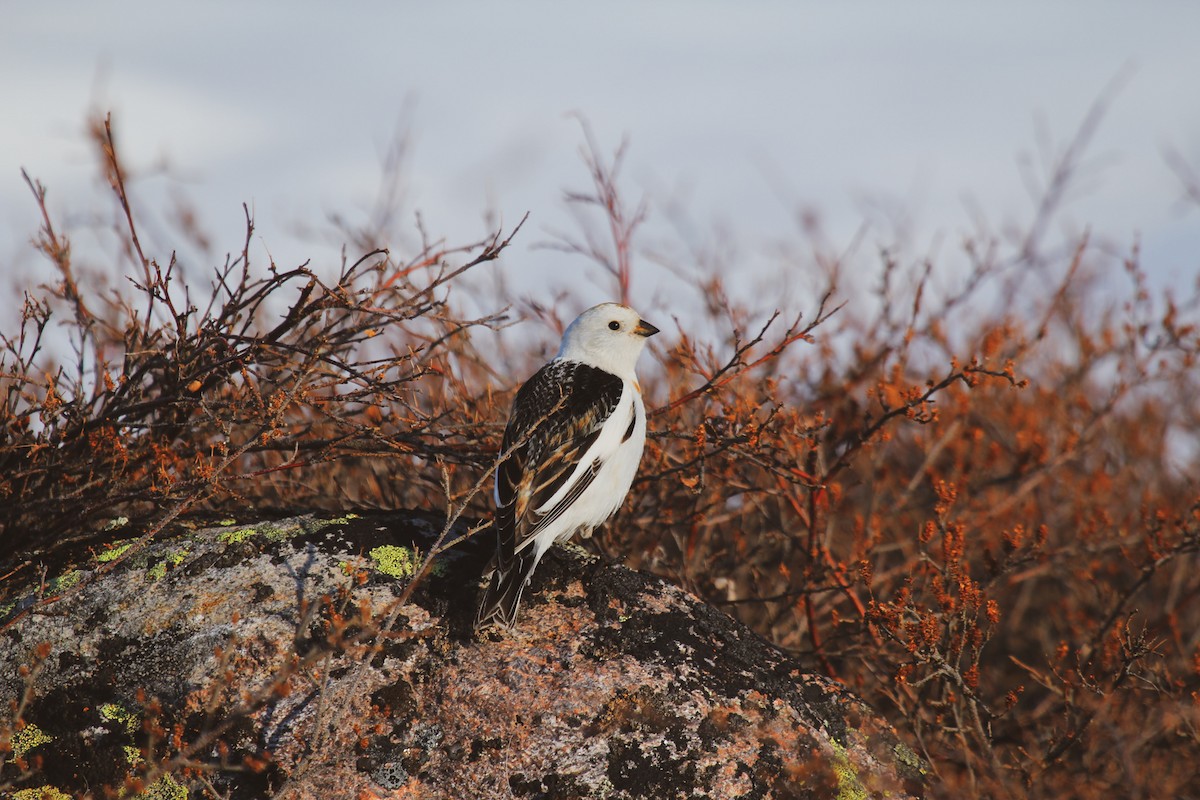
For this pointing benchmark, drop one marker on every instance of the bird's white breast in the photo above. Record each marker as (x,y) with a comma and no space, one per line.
(619,459)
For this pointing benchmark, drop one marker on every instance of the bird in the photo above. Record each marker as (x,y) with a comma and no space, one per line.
(570,451)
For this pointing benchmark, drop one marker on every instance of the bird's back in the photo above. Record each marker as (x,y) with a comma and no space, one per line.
(574,441)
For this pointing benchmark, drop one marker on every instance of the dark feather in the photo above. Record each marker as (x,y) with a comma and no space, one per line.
(502,597)
(557,415)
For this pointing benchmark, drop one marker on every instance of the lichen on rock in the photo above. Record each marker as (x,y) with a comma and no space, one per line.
(265,659)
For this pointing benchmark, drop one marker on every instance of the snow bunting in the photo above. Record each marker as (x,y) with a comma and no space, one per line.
(576,433)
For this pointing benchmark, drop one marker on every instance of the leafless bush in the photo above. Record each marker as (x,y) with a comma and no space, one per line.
(965,509)
(172,402)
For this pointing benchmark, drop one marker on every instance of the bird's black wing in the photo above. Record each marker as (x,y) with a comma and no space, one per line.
(557,415)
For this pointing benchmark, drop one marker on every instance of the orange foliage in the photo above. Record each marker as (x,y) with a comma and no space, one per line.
(973,516)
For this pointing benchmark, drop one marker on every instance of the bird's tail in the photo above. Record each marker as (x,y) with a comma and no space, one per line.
(502,597)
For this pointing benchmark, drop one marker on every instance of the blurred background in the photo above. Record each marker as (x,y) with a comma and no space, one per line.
(863,126)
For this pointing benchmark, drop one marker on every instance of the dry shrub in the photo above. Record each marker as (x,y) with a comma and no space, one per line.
(266,390)
(956,495)
(983,517)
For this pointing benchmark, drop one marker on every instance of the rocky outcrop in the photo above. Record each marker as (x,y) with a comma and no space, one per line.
(277,659)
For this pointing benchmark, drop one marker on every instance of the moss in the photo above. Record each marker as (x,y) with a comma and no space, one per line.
(849,786)
(41,793)
(28,738)
(398,562)
(114,551)
(111,712)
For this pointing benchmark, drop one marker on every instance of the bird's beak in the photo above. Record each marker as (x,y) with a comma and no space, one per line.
(645,328)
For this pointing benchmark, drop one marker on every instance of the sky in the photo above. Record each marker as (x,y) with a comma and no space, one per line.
(742,113)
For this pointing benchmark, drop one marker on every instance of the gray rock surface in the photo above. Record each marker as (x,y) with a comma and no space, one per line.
(277,659)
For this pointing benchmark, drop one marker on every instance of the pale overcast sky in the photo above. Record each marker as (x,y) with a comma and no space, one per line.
(739,110)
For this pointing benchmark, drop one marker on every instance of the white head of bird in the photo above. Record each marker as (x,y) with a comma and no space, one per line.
(609,336)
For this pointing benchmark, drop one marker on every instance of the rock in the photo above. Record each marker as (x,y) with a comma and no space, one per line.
(277,659)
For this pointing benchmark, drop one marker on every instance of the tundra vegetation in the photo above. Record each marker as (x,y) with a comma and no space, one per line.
(965,486)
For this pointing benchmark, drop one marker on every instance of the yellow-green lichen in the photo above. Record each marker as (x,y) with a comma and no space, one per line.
(132,754)
(906,757)
(233,537)
(277,533)
(849,786)
(268,530)
(111,712)
(66,580)
(114,551)
(398,562)
(159,570)
(271,531)
(165,788)
(312,525)
(46,792)
(116,522)
(28,738)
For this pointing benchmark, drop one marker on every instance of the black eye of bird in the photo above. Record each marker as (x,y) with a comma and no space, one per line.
(614,326)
